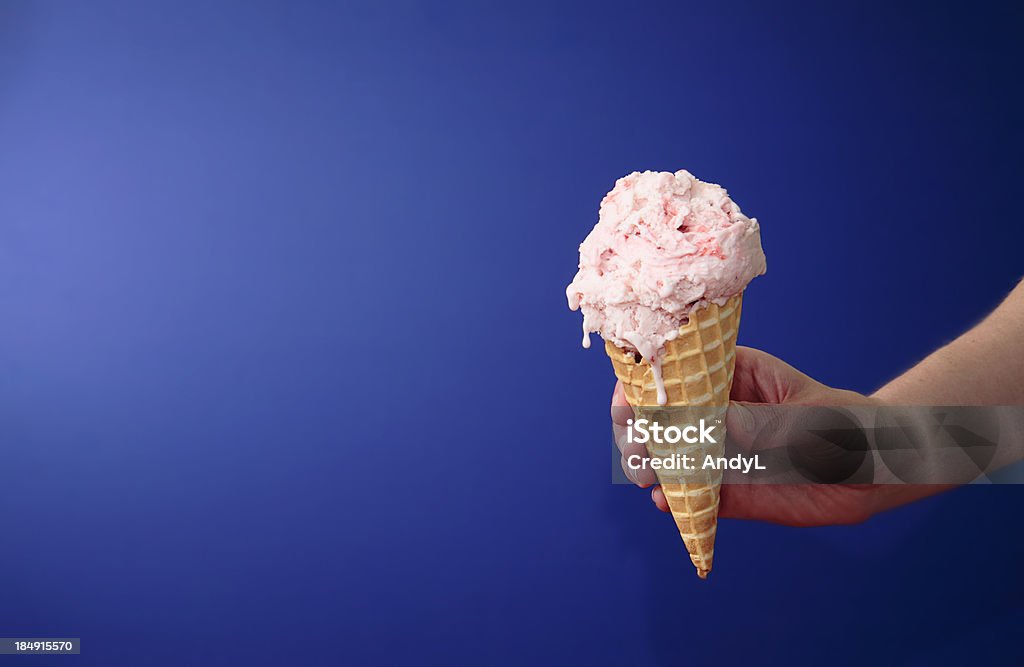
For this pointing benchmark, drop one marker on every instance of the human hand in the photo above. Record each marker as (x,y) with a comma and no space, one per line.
(761,378)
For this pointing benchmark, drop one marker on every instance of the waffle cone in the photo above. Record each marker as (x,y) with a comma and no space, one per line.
(697,369)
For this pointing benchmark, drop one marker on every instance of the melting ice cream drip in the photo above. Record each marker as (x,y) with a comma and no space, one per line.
(658,381)
(653,357)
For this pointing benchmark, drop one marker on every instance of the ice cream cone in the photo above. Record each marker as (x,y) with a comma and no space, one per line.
(697,370)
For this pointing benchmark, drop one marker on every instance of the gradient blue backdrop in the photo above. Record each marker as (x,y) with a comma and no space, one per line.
(286,370)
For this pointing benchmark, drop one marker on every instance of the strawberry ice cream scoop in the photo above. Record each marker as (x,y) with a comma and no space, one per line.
(664,245)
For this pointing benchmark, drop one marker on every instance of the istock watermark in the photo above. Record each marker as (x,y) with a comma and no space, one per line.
(796,444)
(649,432)
(652,431)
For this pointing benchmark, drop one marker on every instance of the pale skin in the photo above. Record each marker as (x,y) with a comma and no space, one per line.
(984,366)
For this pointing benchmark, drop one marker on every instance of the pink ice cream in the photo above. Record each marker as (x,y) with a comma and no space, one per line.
(664,245)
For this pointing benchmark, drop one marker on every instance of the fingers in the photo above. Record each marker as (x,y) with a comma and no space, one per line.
(621,410)
(744,503)
(632,453)
(740,426)
(633,458)
(659,499)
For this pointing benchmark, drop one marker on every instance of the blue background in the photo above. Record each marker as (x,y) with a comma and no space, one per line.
(286,370)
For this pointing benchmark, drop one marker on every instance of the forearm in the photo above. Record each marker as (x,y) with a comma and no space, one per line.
(984,366)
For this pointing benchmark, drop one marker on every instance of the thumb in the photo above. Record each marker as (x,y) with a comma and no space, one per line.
(762,378)
(748,426)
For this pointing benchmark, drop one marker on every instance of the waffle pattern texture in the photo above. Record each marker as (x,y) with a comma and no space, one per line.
(697,369)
